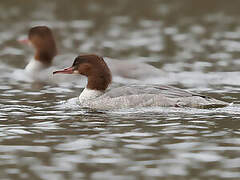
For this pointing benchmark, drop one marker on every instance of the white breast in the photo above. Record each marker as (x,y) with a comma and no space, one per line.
(89,94)
(34,66)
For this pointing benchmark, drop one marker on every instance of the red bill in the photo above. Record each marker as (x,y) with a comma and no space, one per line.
(65,71)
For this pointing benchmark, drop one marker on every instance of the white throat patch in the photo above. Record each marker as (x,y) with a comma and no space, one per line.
(88,94)
(34,66)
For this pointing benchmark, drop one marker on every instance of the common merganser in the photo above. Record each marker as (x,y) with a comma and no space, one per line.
(42,39)
(41,65)
(96,95)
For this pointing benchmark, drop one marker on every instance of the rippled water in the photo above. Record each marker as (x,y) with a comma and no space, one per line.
(195,42)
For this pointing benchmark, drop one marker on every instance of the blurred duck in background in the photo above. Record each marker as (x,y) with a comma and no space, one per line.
(42,40)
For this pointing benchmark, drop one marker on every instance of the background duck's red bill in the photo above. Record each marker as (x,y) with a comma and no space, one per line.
(24,41)
(65,71)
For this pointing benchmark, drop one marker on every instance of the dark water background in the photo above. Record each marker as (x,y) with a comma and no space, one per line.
(198,40)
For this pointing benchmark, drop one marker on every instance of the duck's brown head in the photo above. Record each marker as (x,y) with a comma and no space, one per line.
(92,66)
(42,39)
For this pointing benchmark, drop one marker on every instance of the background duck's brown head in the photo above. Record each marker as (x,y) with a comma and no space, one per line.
(43,41)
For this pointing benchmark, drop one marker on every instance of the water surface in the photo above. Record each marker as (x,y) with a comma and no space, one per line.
(195,42)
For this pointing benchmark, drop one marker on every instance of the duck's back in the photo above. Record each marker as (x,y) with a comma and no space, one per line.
(132,69)
(149,96)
